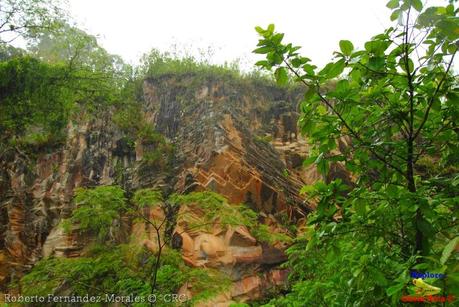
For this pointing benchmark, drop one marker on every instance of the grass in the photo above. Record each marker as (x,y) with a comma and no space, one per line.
(157,64)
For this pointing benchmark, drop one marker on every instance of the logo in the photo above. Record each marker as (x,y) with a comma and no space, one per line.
(425,275)
(429,298)
(423,288)
(425,292)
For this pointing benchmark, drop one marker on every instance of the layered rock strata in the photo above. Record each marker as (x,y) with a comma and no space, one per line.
(232,136)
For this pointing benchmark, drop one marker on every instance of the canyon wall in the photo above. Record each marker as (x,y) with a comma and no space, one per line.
(236,137)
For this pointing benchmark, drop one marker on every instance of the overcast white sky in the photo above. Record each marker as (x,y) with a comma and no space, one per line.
(130,28)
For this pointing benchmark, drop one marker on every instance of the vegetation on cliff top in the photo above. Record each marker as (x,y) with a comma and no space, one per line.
(156,64)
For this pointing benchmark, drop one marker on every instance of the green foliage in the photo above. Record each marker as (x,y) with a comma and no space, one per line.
(96,208)
(284,220)
(27,18)
(207,208)
(76,49)
(122,270)
(129,119)
(40,281)
(127,269)
(70,72)
(32,96)
(264,234)
(39,141)
(215,209)
(448,250)
(35,97)
(104,270)
(266,139)
(396,101)
(90,66)
(155,64)
(157,151)
(147,198)
(207,283)
(8,52)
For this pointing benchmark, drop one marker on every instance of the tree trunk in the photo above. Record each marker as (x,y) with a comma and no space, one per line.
(412,188)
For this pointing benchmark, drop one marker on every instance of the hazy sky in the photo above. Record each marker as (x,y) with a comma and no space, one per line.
(130,28)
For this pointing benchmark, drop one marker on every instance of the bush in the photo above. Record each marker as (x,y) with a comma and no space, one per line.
(214,208)
(96,208)
(147,197)
(103,270)
(30,96)
(123,270)
(157,151)
(155,64)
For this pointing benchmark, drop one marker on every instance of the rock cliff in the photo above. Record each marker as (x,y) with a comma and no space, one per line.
(235,137)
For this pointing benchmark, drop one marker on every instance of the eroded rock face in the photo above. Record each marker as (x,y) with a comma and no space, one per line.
(218,127)
(37,189)
(249,288)
(250,265)
(234,137)
(224,246)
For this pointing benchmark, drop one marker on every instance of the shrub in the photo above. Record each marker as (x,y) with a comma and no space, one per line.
(30,96)
(214,208)
(147,197)
(114,270)
(96,208)
(157,151)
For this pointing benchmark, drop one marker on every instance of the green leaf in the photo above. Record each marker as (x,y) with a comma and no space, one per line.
(309,160)
(323,167)
(281,75)
(376,63)
(360,207)
(417,4)
(262,63)
(296,62)
(342,86)
(332,70)
(311,91)
(377,47)
(395,14)
(450,28)
(346,47)
(402,65)
(259,30)
(378,277)
(309,69)
(426,228)
(392,4)
(448,250)
(394,289)
(319,158)
(277,38)
(263,50)
(357,271)
(307,189)
(274,58)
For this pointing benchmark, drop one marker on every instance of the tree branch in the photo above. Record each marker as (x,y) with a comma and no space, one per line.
(353,133)
(432,98)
